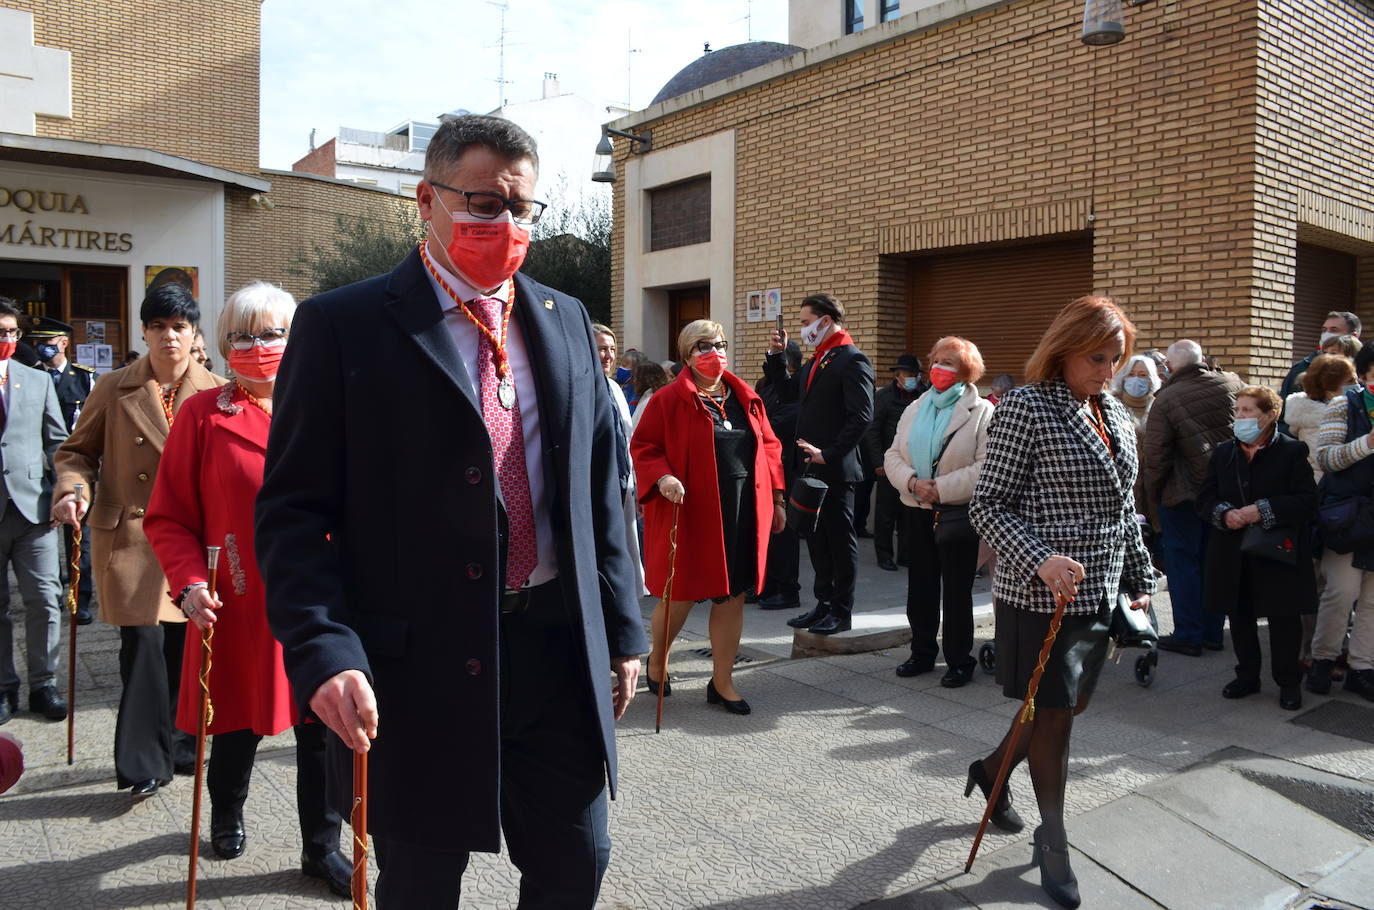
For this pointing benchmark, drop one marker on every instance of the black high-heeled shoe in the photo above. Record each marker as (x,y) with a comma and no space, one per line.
(1056,877)
(653,686)
(713,697)
(1003,815)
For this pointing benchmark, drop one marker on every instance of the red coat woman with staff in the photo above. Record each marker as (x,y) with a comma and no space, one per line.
(211,472)
(704,442)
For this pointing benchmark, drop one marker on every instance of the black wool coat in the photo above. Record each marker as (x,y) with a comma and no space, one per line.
(1279,480)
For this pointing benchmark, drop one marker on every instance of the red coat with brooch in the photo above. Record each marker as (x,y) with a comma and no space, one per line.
(676,436)
(207,481)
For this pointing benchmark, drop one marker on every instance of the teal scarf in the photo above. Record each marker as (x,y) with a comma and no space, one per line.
(928,429)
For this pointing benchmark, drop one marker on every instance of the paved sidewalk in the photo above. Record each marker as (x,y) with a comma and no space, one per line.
(843,788)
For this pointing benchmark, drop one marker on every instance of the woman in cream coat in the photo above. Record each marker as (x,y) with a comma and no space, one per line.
(934,463)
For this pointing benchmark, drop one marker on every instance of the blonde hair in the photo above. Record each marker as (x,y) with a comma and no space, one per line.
(970,358)
(1085,325)
(692,332)
(251,308)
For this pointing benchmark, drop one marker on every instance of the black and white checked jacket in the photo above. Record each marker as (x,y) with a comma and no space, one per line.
(1049,487)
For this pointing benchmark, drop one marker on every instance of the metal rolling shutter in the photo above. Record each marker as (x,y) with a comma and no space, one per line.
(1324,281)
(1002,299)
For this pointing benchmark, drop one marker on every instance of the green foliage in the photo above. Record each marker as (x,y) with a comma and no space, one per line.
(570,250)
(363,246)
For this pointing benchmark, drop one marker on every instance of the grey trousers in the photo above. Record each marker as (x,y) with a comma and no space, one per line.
(32,550)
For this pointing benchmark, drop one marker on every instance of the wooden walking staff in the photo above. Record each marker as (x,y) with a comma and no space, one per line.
(667,618)
(1026,715)
(358,822)
(207,714)
(71,634)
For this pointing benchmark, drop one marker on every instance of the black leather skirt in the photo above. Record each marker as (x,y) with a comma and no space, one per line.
(1074,663)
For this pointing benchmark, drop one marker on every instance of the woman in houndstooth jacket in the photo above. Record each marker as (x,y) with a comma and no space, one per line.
(1054,500)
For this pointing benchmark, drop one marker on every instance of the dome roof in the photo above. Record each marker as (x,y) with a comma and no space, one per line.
(714,66)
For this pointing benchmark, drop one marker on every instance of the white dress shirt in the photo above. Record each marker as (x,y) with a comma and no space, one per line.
(467,340)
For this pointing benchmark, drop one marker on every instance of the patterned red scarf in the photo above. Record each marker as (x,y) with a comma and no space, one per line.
(833,340)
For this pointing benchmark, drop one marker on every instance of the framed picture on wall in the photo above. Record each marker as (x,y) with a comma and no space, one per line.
(753,308)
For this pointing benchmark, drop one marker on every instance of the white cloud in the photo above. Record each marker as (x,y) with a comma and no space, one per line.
(371,66)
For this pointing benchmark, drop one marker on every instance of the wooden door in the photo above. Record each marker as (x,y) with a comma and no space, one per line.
(94,305)
(686,305)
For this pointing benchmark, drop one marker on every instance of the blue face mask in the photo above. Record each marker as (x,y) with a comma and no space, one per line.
(1247,429)
(622,375)
(46,351)
(909,383)
(1136,386)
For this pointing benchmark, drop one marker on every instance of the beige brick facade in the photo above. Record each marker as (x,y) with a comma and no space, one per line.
(1185,152)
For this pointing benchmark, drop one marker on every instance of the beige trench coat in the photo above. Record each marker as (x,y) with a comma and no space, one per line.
(119,438)
(965,449)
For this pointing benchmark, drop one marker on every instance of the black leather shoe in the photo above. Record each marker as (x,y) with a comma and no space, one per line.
(1290,698)
(1361,682)
(833,623)
(653,686)
(336,871)
(779,602)
(957,676)
(1179,646)
(715,698)
(1003,815)
(887,565)
(145,788)
(807,620)
(1319,677)
(1056,876)
(1239,688)
(83,616)
(44,700)
(914,666)
(5,714)
(226,833)
(1214,645)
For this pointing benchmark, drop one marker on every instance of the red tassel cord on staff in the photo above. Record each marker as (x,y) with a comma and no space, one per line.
(667,616)
(1025,717)
(207,715)
(71,634)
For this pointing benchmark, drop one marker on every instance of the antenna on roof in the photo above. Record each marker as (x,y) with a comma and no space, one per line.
(501,82)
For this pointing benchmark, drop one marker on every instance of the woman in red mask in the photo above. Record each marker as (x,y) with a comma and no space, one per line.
(211,471)
(705,445)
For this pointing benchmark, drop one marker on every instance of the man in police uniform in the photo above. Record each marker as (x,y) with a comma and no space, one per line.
(51,340)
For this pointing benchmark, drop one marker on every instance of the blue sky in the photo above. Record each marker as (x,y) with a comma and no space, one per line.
(363,64)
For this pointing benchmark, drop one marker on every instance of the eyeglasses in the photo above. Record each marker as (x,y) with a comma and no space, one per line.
(244,341)
(489,206)
(705,347)
(14,334)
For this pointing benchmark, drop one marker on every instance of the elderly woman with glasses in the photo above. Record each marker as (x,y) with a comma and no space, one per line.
(706,457)
(211,472)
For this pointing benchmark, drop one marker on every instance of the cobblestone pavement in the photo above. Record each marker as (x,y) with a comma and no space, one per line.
(843,788)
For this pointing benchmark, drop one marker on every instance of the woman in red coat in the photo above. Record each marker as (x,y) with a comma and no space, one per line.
(705,444)
(210,474)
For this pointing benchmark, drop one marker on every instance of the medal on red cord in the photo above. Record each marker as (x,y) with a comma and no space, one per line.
(505,389)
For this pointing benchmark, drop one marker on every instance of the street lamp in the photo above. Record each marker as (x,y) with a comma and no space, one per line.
(603,170)
(1102,22)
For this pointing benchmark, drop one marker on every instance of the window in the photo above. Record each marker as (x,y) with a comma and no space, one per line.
(853,16)
(365,181)
(891,10)
(680,214)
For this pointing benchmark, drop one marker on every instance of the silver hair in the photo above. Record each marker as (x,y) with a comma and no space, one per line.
(252,308)
(1120,378)
(1184,353)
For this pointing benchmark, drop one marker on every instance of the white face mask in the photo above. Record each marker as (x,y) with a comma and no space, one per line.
(813,334)
(1327,336)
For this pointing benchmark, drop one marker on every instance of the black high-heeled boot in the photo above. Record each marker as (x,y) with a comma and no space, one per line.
(1003,815)
(1056,877)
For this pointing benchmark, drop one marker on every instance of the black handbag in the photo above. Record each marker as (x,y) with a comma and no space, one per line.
(1346,525)
(1131,628)
(1277,544)
(952,527)
(804,502)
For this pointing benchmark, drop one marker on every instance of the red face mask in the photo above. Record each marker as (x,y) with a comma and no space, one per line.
(259,363)
(710,364)
(942,377)
(7,349)
(486,252)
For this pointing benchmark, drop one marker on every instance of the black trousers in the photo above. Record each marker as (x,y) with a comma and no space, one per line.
(889,520)
(834,549)
(231,769)
(863,501)
(1285,643)
(83,587)
(146,741)
(784,559)
(553,779)
(934,570)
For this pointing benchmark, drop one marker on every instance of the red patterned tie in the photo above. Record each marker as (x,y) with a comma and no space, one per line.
(508,450)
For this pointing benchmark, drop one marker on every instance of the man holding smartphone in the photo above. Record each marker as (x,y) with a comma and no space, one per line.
(834,395)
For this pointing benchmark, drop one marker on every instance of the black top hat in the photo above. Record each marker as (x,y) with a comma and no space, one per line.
(908,362)
(45,327)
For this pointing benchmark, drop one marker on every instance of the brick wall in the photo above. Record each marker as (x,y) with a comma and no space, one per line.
(181,78)
(1003,126)
(318,161)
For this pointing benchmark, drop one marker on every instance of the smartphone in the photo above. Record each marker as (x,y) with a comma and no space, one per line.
(779,324)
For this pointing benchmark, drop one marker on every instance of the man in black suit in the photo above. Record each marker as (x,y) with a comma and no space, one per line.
(460,604)
(781,590)
(52,342)
(834,394)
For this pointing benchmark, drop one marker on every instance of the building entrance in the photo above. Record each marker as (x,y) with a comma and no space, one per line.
(93,300)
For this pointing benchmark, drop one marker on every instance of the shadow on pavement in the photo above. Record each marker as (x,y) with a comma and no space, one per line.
(99,807)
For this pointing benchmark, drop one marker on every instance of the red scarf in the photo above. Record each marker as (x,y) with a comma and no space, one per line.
(833,340)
